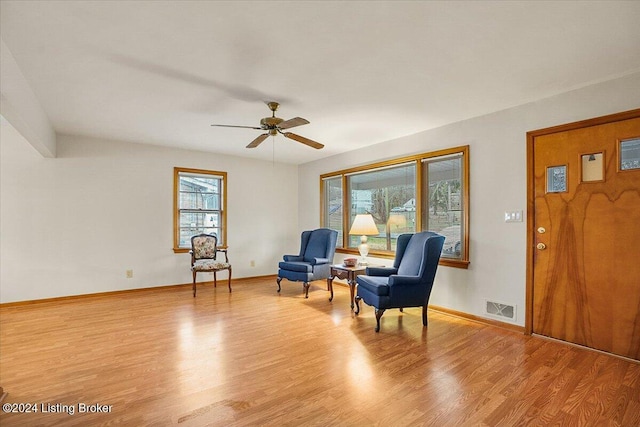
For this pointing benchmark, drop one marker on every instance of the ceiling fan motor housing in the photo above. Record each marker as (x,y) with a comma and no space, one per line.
(270,122)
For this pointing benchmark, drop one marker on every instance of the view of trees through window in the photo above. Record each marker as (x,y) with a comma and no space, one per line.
(333,206)
(388,195)
(443,210)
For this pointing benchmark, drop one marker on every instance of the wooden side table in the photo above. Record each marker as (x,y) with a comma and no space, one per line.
(349,273)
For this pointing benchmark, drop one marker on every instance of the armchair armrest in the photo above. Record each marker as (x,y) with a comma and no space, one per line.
(396,280)
(292,258)
(380,271)
(224,250)
(319,261)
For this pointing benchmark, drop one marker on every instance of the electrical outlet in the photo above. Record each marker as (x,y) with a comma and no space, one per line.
(252,263)
(129,274)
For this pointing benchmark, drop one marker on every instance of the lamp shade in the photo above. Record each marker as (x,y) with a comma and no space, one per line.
(364,225)
(397,219)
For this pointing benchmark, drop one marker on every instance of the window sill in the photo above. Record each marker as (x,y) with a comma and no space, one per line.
(455,263)
(448,262)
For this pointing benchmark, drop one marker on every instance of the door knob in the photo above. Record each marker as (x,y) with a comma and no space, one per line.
(541,246)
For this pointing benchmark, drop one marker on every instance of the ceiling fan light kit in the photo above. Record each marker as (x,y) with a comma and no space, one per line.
(275,125)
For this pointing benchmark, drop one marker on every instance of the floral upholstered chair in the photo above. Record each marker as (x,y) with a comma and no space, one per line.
(204,251)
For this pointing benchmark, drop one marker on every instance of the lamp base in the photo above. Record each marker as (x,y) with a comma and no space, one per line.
(364,251)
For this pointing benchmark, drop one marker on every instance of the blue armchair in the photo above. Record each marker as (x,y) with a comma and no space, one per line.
(314,260)
(408,283)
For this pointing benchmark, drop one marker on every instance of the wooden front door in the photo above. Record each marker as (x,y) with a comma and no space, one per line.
(584,233)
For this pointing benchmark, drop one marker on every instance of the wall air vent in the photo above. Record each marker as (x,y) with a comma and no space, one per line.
(500,310)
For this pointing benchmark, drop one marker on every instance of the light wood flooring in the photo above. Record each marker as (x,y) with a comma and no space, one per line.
(254,357)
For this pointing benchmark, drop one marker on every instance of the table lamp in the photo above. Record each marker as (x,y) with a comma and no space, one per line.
(364,226)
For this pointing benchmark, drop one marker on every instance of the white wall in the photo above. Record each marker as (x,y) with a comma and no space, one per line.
(75,223)
(498,183)
(21,107)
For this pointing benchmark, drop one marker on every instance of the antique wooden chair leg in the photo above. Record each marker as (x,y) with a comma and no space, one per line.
(357,300)
(215,279)
(278,281)
(229,279)
(379,313)
(424,315)
(194,284)
(306,289)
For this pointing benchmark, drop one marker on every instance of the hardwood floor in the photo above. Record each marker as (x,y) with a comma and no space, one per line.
(253,357)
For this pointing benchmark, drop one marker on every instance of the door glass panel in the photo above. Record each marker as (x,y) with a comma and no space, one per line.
(630,154)
(557,179)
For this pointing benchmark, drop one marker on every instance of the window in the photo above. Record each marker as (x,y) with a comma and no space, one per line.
(332,213)
(199,206)
(443,205)
(429,192)
(389,195)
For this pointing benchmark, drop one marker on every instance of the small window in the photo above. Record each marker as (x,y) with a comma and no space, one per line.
(557,179)
(630,154)
(199,206)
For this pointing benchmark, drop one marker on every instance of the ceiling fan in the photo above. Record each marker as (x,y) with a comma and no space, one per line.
(275,125)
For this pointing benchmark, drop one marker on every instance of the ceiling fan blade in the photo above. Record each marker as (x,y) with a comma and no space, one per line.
(234,126)
(258,140)
(303,140)
(296,121)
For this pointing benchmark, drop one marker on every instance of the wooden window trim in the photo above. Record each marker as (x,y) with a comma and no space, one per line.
(176,207)
(418,159)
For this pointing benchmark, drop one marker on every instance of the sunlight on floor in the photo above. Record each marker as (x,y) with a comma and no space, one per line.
(359,369)
(201,361)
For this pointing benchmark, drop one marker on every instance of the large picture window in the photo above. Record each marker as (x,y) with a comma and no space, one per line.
(426,192)
(199,206)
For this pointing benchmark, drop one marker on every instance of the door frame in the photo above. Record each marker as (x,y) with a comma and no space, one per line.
(531,220)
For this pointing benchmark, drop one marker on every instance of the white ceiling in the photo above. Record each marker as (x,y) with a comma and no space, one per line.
(362,72)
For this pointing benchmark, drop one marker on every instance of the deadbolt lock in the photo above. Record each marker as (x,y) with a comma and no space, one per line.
(541,246)
(542,230)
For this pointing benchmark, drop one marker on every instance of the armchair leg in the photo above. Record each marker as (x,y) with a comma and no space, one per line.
(306,289)
(229,279)
(278,281)
(424,315)
(357,301)
(215,279)
(194,284)
(379,313)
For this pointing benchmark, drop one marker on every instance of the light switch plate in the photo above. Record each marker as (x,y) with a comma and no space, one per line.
(513,216)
